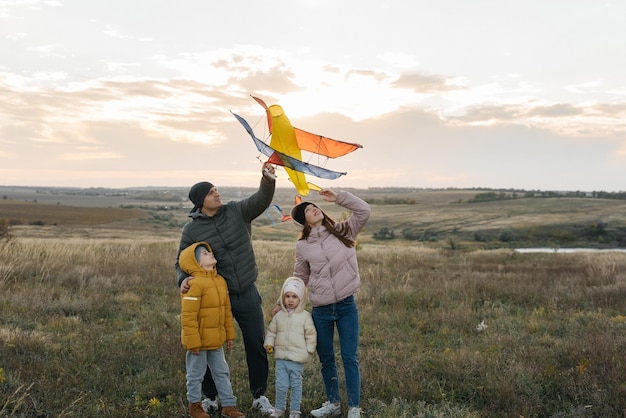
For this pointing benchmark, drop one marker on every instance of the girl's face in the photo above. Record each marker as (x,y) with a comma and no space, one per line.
(313,215)
(291,300)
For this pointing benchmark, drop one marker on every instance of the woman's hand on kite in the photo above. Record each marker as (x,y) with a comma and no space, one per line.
(328,195)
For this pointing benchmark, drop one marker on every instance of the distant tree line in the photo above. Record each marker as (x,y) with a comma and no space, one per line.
(390,201)
(490,195)
(596,233)
(505,195)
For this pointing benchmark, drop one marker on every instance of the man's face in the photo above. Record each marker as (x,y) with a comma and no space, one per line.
(212,201)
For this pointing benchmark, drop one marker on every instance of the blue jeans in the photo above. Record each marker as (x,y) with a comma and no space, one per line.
(288,375)
(345,315)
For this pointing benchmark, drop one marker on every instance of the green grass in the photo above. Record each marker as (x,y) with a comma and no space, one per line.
(90,327)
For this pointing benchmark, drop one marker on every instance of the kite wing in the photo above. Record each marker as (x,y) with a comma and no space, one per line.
(285,160)
(322,145)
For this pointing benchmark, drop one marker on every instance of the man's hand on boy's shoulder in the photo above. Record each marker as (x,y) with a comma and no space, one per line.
(184,285)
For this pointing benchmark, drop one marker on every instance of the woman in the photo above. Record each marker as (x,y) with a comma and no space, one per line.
(326,261)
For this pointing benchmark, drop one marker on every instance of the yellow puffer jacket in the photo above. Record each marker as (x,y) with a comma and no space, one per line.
(206,316)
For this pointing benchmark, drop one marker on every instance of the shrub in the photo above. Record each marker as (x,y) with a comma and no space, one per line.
(481,236)
(5,230)
(424,235)
(507,235)
(384,234)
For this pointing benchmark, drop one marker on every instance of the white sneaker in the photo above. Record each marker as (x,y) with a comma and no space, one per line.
(328,409)
(354,412)
(210,406)
(277,413)
(263,405)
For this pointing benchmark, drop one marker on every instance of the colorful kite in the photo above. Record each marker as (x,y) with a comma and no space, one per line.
(286,146)
(275,212)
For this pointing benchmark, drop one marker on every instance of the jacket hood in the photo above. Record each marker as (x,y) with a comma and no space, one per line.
(187,259)
(197,213)
(294,281)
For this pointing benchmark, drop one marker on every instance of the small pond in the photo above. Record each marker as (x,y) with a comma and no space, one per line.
(569,250)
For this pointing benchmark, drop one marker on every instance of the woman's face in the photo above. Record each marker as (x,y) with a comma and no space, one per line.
(313,215)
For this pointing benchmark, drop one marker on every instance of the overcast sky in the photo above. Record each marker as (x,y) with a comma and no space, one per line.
(451,93)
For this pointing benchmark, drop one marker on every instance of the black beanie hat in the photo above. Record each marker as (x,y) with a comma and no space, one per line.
(198,192)
(297,213)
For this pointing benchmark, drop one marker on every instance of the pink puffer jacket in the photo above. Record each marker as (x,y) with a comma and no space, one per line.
(324,263)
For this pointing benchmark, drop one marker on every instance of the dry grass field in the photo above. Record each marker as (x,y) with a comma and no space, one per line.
(90,327)
(45,214)
(90,315)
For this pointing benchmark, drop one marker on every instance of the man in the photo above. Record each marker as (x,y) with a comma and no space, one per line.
(227,229)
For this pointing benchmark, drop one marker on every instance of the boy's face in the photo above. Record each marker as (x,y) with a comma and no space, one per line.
(207,259)
(291,300)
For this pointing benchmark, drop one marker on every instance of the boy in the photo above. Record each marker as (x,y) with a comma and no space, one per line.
(291,336)
(207,323)
(226,228)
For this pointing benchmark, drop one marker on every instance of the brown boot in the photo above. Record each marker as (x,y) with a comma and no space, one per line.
(231,412)
(196,411)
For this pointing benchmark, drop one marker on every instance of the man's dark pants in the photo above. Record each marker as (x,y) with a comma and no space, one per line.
(247,310)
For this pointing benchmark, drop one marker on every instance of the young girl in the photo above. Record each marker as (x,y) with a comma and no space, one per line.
(291,336)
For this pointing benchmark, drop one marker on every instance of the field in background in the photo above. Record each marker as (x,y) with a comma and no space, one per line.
(435,218)
(90,327)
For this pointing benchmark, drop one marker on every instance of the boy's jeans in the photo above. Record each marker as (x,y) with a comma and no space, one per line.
(196,368)
(345,315)
(288,376)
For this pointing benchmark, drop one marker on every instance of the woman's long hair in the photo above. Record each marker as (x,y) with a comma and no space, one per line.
(342,233)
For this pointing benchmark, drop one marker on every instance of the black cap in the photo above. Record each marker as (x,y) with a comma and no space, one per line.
(198,192)
(297,213)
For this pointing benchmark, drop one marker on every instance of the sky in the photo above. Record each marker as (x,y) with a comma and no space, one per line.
(452,93)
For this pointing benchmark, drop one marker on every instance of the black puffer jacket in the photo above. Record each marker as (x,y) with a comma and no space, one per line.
(229,233)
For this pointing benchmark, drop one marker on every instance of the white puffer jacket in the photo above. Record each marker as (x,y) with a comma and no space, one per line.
(292,335)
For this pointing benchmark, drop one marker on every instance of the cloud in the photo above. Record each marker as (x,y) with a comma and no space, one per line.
(115,32)
(555,111)
(426,84)
(91,155)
